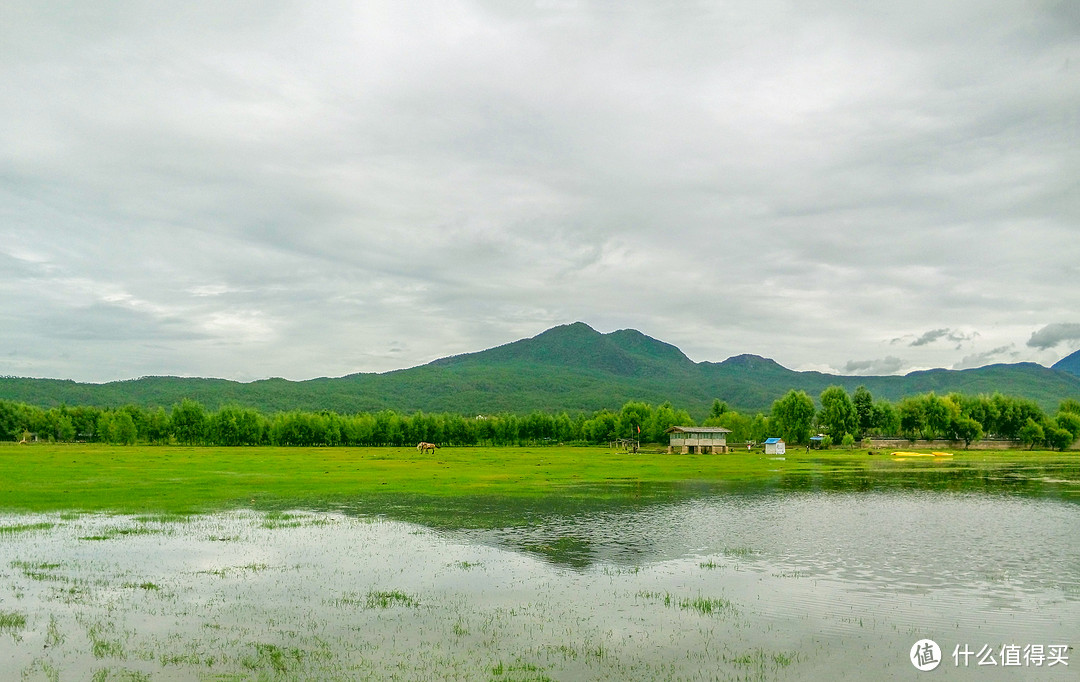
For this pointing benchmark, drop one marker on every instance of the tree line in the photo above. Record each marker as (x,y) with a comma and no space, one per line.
(840,418)
(845,419)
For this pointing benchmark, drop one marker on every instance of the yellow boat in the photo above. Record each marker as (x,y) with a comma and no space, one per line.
(902,453)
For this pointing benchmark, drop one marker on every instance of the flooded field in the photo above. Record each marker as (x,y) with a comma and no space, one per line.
(707,585)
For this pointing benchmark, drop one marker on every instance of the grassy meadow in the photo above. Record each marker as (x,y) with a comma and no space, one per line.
(171,479)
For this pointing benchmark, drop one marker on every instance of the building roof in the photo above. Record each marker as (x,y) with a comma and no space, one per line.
(774,440)
(698,429)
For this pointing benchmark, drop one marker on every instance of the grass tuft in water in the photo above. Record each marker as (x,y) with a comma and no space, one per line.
(37,570)
(102,645)
(519,671)
(12,620)
(167,517)
(53,636)
(708,606)
(26,528)
(121,675)
(384,600)
(278,519)
(741,552)
(273,657)
(227,570)
(762,661)
(112,533)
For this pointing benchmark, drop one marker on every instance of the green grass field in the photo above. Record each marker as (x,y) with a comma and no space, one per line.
(166,479)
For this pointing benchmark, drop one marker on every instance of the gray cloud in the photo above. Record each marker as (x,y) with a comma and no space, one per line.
(999,354)
(930,337)
(1053,334)
(878,367)
(315,184)
(933,335)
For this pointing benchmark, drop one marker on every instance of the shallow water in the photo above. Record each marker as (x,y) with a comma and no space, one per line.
(727,585)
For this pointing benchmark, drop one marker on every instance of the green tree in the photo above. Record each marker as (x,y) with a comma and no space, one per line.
(664,417)
(188,422)
(10,423)
(740,425)
(967,430)
(940,414)
(602,427)
(864,411)
(1031,433)
(838,415)
(157,426)
(633,418)
(719,407)
(1057,437)
(886,418)
(793,415)
(1070,405)
(65,428)
(117,427)
(1070,421)
(912,413)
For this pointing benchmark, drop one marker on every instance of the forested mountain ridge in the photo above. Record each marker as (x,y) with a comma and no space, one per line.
(1069,363)
(570,368)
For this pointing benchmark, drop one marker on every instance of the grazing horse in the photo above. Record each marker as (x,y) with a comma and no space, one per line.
(424,447)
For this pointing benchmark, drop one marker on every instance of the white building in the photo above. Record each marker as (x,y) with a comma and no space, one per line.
(775,446)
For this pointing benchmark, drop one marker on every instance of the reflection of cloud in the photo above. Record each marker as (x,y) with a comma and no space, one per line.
(881,366)
(1053,334)
(986,358)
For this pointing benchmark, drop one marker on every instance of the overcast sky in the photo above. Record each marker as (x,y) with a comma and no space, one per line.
(302,189)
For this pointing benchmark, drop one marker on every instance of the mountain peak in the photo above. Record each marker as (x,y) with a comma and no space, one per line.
(633,341)
(626,352)
(752,362)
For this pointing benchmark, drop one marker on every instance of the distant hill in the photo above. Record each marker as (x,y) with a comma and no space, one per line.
(571,367)
(1069,363)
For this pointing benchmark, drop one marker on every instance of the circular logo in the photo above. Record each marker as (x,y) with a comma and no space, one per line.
(925,654)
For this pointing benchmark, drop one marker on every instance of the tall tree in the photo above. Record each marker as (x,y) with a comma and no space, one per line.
(188,421)
(863,401)
(838,415)
(793,415)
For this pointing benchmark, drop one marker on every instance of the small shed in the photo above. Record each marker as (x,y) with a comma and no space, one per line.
(692,440)
(775,446)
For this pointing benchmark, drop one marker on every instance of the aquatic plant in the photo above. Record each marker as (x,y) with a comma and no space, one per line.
(26,528)
(12,620)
